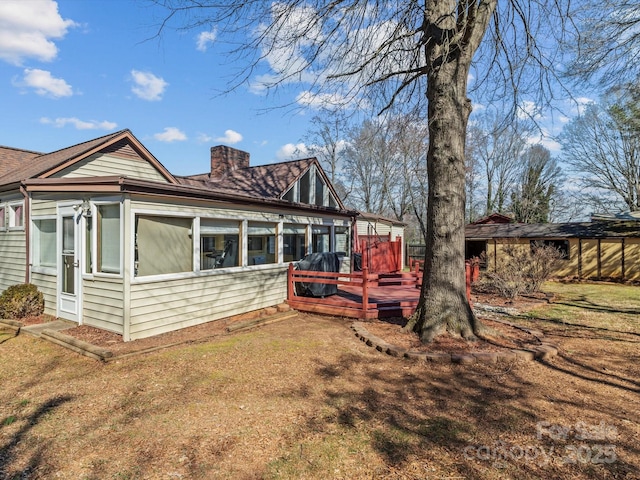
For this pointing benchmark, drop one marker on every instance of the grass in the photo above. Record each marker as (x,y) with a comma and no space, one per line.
(305,399)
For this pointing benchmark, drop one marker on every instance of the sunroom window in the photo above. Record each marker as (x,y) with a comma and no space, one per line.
(294,242)
(320,238)
(261,243)
(163,245)
(219,241)
(44,243)
(342,239)
(108,238)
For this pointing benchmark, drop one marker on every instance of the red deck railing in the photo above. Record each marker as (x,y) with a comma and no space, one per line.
(390,292)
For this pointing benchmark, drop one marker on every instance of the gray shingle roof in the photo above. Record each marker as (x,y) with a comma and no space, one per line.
(266,181)
(14,169)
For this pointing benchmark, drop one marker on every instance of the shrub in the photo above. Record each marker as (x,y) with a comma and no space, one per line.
(520,271)
(20,301)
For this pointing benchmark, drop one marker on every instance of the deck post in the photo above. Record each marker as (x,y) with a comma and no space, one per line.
(365,291)
(467,269)
(290,282)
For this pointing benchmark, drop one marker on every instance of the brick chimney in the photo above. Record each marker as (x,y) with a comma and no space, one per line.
(225,160)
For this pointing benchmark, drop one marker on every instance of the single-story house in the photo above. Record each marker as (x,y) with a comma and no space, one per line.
(115,241)
(590,250)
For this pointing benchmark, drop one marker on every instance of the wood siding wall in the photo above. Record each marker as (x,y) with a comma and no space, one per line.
(13,258)
(103,303)
(48,285)
(161,307)
(101,165)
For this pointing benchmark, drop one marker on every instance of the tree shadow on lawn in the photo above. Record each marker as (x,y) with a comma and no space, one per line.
(584,303)
(562,323)
(458,420)
(8,451)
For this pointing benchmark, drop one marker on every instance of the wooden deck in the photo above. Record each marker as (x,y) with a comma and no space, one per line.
(364,295)
(360,295)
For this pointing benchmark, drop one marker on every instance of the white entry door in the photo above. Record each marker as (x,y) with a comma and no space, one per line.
(69,264)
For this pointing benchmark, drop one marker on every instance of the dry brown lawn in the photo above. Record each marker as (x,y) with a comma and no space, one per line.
(305,398)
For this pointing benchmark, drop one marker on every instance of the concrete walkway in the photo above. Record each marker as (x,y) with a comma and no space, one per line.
(56,325)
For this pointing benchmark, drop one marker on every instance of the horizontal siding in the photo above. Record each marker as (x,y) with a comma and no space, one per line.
(101,165)
(48,285)
(12,258)
(41,207)
(165,306)
(103,304)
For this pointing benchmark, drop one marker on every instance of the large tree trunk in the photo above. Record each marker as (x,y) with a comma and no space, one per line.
(443,306)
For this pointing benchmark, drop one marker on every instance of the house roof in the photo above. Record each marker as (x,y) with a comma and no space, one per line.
(379,218)
(553,230)
(263,181)
(493,218)
(16,168)
(12,159)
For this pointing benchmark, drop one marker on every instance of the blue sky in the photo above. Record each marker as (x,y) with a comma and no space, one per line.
(73,70)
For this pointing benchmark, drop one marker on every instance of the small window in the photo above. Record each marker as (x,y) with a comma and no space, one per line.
(561,245)
(261,243)
(305,187)
(219,241)
(16,215)
(108,238)
(3,218)
(44,243)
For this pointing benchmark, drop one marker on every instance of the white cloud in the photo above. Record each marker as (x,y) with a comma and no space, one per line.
(204,138)
(79,124)
(45,84)
(291,151)
(147,85)
(27,29)
(170,134)
(205,39)
(230,137)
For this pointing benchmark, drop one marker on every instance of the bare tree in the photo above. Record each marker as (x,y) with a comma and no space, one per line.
(499,144)
(539,182)
(606,46)
(366,164)
(473,174)
(602,148)
(403,53)
(327,141)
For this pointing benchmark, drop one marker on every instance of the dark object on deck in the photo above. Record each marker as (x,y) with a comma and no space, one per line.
(357,262)
(318,262)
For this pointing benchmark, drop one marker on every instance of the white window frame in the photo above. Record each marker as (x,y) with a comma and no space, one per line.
(35,246)
(11,206)
(94,238)
(3,217)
